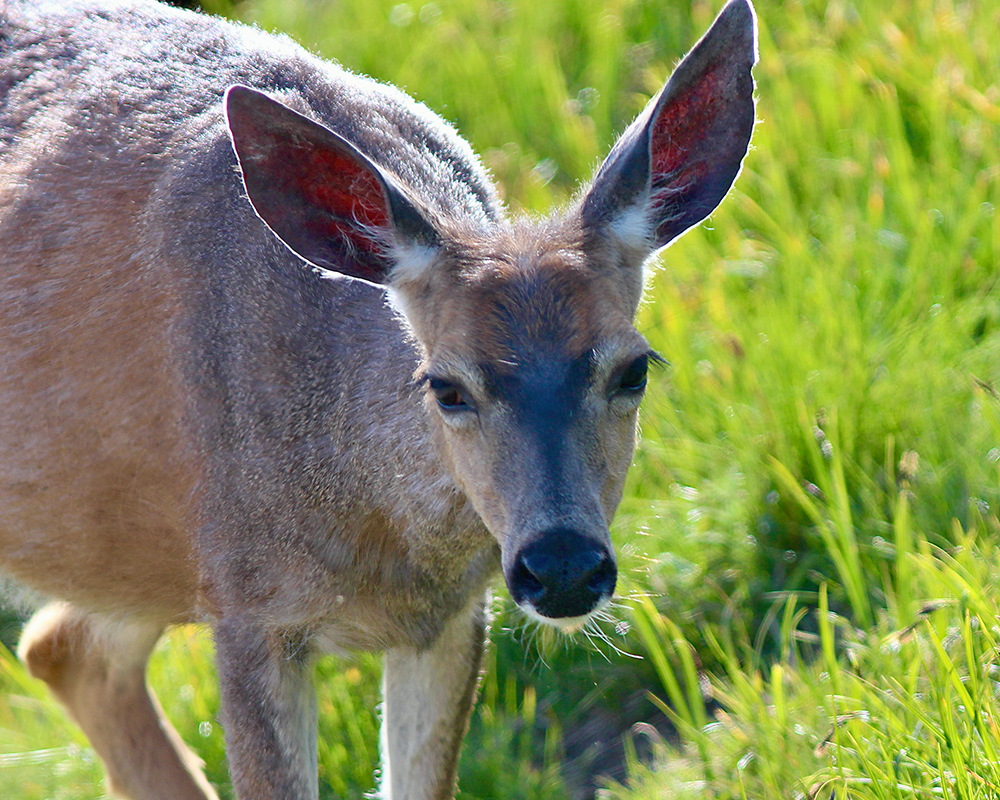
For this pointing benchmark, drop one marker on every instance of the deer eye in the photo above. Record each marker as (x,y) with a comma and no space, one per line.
(633,378)
(450,396)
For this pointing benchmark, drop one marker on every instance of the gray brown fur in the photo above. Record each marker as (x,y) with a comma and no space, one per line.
(197,426)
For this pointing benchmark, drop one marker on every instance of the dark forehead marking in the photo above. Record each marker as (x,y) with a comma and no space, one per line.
(545,377)
(544,396)
(549,307)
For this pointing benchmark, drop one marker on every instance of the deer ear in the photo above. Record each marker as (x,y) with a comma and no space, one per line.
(317,192)
(676,162)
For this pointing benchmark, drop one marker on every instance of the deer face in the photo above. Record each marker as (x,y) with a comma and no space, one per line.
(534,374)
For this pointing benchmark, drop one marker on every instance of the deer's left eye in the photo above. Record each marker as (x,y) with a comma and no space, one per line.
(632,380)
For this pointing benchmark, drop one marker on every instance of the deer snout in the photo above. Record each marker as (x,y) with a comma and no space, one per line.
(562,575)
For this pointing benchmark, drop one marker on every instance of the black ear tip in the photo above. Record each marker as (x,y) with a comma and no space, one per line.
(739,12)
(236,103)
(236,93)
(742,7)
(240,100)
(738,20)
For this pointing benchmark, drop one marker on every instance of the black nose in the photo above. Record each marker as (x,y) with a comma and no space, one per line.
(562,574)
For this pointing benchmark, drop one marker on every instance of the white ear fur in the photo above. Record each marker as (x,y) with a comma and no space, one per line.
(633,227)
(412,262)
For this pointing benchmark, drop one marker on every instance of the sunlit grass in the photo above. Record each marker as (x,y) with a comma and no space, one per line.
(892,711)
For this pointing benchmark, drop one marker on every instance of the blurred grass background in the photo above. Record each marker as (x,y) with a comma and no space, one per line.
(808,538)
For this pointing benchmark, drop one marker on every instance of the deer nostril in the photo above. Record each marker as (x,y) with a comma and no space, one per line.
(602,581)
(562,574)
(530,588)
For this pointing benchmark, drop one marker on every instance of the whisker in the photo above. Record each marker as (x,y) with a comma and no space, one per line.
(592,635)
(599,632)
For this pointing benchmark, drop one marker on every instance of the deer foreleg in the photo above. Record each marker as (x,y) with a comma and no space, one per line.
(268,711)
(428,699)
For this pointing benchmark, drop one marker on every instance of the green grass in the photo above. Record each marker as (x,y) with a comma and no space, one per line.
(882,712)
(809,533)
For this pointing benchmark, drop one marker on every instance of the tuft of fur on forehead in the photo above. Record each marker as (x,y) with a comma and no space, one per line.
(513,291)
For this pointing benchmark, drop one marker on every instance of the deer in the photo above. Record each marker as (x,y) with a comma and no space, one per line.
(275,358)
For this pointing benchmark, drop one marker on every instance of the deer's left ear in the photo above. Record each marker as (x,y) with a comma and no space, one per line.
(676,162)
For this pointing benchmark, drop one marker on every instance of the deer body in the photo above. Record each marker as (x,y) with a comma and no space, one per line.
(199,426)
(120,342)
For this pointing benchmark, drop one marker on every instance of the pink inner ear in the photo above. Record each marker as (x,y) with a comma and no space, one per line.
(680,133)
(348,198)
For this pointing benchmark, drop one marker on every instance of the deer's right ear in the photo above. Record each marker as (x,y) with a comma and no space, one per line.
(318,193)
(676,162)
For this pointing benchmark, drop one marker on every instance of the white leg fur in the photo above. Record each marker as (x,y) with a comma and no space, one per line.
(428,699)
(97,668)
